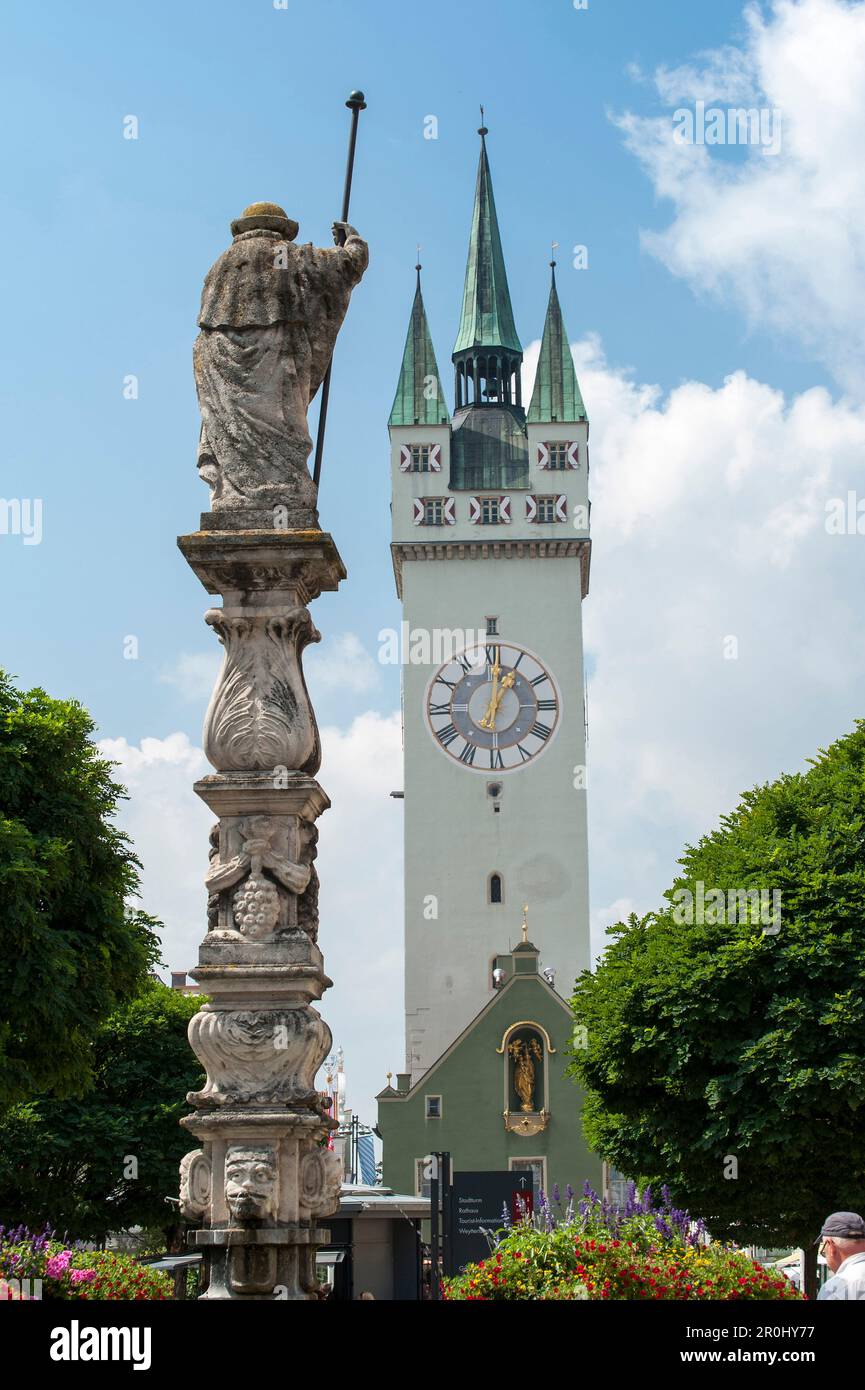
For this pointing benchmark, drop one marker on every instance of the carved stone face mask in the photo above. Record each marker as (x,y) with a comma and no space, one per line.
(251,1183)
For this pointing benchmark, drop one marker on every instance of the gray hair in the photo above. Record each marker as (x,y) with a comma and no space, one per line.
(849,1245)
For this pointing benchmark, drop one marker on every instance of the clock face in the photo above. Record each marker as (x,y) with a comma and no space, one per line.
(493,708)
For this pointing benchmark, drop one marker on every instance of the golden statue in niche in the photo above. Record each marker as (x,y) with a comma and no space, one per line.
(525,1052)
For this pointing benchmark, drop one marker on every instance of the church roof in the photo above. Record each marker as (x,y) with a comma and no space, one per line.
(414,404)
(503,999)
(556,395)
(487,318)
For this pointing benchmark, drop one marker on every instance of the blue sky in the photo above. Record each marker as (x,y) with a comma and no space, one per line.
(106,244)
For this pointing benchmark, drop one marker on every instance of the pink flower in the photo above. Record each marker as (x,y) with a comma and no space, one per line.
(82,1276)
(55,1268)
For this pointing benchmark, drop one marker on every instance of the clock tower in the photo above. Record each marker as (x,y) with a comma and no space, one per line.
(491,556)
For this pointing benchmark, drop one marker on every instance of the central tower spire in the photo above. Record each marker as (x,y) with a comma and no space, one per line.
(487,319)
(489,446)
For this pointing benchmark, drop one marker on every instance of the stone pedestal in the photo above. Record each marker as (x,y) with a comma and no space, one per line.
(262,1179)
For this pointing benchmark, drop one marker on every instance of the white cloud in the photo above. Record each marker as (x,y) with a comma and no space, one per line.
(708,522)
(169,826)
(194,674)
(359,860)
(783,234)
(341,663)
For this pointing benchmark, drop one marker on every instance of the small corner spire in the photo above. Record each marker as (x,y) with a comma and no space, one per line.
(415,402)
(482,128)
(556,397)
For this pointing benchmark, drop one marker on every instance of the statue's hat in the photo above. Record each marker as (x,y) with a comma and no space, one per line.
(269,217)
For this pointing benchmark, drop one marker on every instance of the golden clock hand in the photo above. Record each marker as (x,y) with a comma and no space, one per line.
(491,707)
(489,719)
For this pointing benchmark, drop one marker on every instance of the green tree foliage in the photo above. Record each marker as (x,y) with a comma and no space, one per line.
(108,1161)
(717,1048)
(72,949)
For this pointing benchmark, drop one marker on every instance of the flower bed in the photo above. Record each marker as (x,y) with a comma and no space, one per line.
(597,1251)
(70,1271)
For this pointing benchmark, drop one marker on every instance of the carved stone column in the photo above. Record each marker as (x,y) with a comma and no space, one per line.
(261,1179)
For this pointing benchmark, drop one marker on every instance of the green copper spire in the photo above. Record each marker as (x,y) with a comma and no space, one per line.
(556,396)
(487,318)
(419,396)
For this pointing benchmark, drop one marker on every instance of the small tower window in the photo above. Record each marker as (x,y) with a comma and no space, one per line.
(434,511)
(489,511)
(433,1107)
(558,452)
(492,627)
(420,458)
(496,888)
(546,507)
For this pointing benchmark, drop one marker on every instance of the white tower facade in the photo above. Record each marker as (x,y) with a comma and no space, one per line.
(491,555)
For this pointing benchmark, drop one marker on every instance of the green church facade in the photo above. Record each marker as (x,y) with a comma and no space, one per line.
(481,1102)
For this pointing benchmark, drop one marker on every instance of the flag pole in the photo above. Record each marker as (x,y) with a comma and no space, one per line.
(355,104)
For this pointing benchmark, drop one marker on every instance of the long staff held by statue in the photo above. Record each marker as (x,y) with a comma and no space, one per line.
(355,104)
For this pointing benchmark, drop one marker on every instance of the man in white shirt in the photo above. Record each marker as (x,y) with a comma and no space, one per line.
(842,1242)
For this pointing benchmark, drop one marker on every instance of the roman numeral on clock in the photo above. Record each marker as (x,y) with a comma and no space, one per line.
(447,735)
(546,704)
(496,760)
(467,756)
(440,709)
(541,731)
(539,680)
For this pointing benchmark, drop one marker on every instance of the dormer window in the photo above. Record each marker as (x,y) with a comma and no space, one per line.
(420,458)
(489,511)
(546,507)
(557,454)
(434,511)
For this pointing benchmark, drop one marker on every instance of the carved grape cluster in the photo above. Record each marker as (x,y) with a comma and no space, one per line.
(256,907)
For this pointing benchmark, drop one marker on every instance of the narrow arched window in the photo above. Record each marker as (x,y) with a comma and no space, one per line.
(496,888)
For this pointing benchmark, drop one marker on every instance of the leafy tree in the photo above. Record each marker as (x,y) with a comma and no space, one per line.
(108,1161)
(72,949)
(727,1061)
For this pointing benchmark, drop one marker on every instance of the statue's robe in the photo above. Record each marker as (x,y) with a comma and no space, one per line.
(270,315)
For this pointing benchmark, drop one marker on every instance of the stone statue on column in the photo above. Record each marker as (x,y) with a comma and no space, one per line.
(263,1177)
